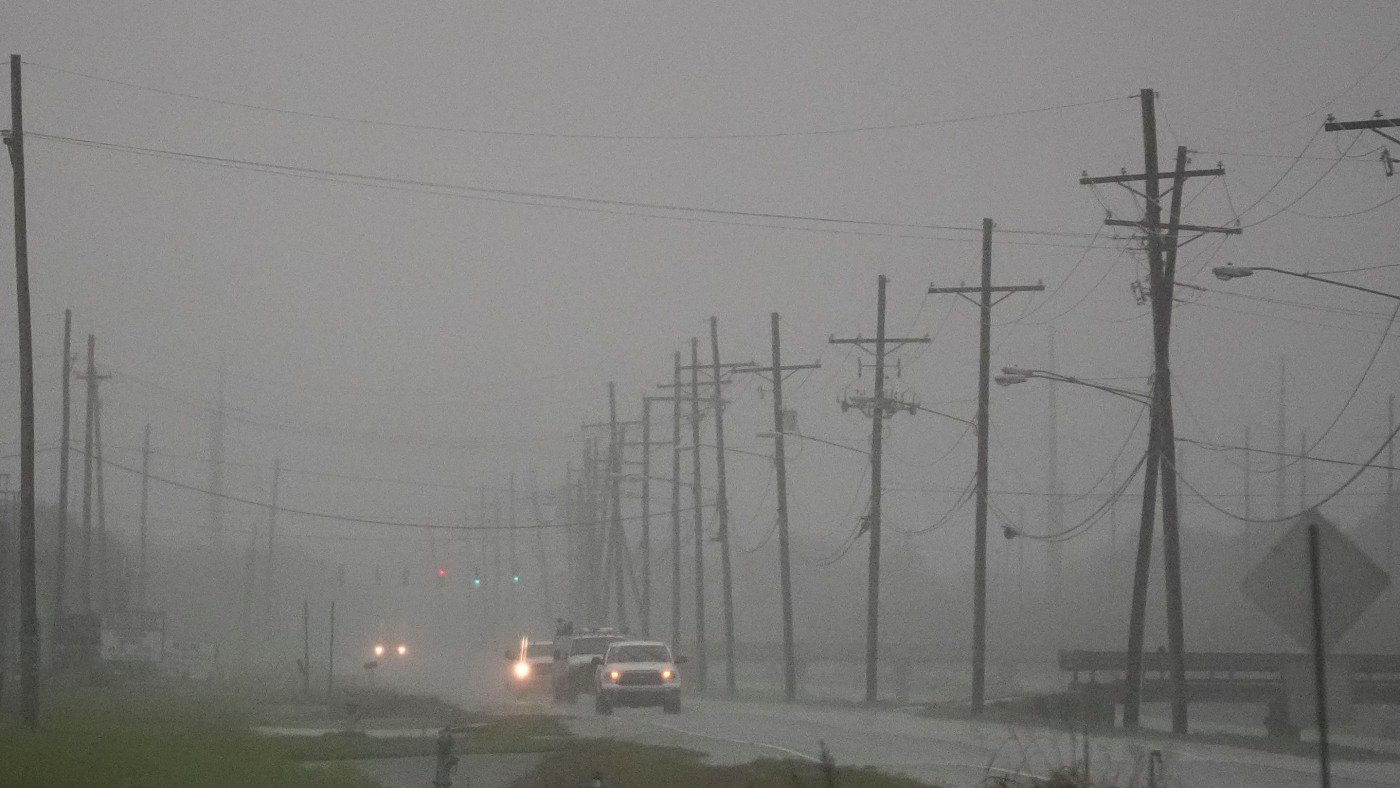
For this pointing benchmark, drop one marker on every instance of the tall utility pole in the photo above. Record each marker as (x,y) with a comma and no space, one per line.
(615,536)
(1161,259)
(1390,485)
(647,443)
(878,408)
(676,501)
(979,569)
(104,571)
(717,373)
(85,568)
(1281,480)
(141,536)
(513,615)
(775,374)
(29,613)
(216,466)
(722,509)
(268,625)
(1053,503)
(1302,470)
(1247,471)
(60,574)
(701,662)
(546,595)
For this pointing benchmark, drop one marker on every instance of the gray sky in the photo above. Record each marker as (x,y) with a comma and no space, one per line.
(483,333)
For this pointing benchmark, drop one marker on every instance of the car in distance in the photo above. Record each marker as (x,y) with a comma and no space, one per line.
(574,668)
(531,666)
(638,673)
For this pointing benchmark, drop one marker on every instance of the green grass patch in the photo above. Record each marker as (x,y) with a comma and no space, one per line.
(625,765)
(526,733)
(121,740)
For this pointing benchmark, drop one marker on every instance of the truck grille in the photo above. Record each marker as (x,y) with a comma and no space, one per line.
(640,678)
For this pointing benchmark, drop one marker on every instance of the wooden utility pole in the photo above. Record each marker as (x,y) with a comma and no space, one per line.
(271,571)
(615,536)
(1247,471)
(878,408)
(216,465)
(330,655)
(775,374)
(1161,244)
(979,569)
(104,572)
(141,536)
(1281,480)
(546,596)
(85,573)
(306,648)
(676,502)
(1053,504)
(722,509)
(701,663)
(29,613)
(60,574)
(1302,470)
(645,601)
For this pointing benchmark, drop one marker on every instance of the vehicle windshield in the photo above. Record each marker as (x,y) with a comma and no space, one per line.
(593,645)
(539,650)
(651,652)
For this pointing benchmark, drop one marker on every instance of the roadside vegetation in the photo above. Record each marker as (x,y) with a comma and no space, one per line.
(121,739)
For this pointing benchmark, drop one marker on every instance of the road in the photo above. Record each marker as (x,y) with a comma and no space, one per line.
(952,753)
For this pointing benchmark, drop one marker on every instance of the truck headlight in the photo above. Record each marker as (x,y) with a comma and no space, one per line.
(522,669)
(614,674)
(667,674)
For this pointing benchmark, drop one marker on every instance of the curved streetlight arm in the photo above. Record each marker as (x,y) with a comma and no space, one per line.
(1044,374)
(1233,272)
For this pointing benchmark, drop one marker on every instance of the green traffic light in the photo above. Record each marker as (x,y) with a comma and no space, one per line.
(476,582)
(515,578)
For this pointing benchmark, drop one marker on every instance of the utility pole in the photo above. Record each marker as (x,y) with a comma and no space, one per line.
(513,616)
(615,490)
(29,613)
(60,575)
(647,443)
(1375,124)
(676,502)
(306,648)
(330,655)
(1247,471)
(1390,485)
(701,663)
(141,537)
(1281,480)
(547,598)
(775,375)
(216,466)
(91,378)
(979,569)
(104,576)
(1054,505)
(1161,259)
(722,508)
(877,408)
(271,549)
(1302,470)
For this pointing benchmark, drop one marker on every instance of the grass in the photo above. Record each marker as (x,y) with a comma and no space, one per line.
(526,733)
(624,765)
(109,738)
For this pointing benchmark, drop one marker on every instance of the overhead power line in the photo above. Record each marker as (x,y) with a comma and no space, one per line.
(588,204)
(367,520)
(573,135)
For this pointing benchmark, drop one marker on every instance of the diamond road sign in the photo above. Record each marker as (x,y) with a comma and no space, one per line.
(1279,584)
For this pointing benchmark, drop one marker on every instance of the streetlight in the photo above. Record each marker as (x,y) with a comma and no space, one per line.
(1227,272)
(1011,376)
(1138,614)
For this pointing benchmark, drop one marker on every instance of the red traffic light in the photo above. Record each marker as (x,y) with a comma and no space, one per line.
(442,571)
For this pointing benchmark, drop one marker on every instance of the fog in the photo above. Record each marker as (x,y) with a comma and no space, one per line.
(416,243)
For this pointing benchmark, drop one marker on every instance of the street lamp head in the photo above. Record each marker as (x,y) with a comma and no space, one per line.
(1017,371)
(1010,380)
(1227,272)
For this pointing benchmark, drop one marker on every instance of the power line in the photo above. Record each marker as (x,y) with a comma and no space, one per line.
(562,201)
(1323,500)
(574,135)
(364,520)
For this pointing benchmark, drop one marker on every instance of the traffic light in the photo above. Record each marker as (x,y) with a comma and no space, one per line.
(442,571)
(476,580)
(515,578)
(441,577)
